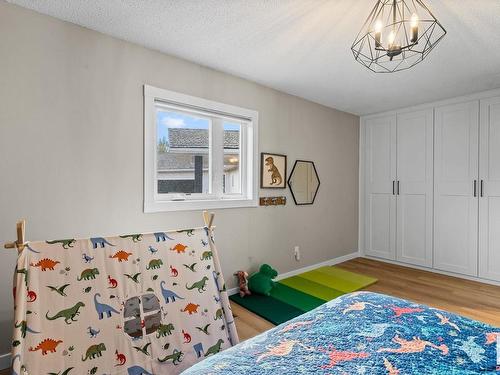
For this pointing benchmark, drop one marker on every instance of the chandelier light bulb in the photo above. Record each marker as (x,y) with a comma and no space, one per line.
(414,20)
(378,33)
(391,38)
(414,28)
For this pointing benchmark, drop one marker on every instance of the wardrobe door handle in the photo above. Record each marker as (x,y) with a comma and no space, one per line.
(393,187)
(475,188)
(398,188)
(482,188)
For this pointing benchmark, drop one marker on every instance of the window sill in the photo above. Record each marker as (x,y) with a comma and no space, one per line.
(195,205)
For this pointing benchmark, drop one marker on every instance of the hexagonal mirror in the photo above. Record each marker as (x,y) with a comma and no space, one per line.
(304,182)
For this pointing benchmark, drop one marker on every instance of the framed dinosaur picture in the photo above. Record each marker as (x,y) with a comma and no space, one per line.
(272,171)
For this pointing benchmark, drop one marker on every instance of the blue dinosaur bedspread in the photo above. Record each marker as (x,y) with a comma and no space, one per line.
(364,333)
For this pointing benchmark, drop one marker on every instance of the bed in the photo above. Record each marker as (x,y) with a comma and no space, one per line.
(364,333)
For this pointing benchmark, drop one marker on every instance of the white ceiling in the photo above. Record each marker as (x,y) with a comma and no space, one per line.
(302,47)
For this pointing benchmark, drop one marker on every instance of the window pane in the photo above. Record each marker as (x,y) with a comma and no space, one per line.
(182,153)
(133,327)
(150,303)
(132,308)
(232,157)
(152,322)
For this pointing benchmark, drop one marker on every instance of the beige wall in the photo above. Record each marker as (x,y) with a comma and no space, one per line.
(71,149)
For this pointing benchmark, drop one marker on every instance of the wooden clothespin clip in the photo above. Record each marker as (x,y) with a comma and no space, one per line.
(208,218)
(20,244)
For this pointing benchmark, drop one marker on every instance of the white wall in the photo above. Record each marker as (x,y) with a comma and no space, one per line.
(71,150)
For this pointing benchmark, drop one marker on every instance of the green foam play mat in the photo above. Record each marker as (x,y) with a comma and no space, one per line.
(304,292)
(312,288)
(302,301)
(338,279)
(269,308)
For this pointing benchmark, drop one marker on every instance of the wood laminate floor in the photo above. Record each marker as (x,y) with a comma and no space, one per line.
(468,298)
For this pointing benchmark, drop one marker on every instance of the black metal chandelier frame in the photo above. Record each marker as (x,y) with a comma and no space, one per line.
(419,40)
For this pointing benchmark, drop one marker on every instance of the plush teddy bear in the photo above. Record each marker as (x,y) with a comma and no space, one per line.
(243,283)
(261,282)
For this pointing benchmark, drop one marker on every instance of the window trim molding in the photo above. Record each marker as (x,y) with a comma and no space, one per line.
(153,94)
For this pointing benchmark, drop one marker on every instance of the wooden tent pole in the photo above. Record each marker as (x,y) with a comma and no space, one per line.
(208,218)
(20,244)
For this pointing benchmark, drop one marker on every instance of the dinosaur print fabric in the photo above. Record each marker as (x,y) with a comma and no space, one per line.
(136,304)
(364,333)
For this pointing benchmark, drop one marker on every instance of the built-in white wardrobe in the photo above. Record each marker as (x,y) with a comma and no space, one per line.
(430,192)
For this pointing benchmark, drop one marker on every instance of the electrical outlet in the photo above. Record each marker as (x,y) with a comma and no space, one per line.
(296,253)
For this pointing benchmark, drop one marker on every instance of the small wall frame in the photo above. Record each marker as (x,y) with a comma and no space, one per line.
(272,171)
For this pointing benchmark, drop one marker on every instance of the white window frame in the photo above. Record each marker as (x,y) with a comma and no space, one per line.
(154,202)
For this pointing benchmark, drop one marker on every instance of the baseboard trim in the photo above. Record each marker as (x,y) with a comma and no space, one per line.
(428,269)
(4,361)
(330,262)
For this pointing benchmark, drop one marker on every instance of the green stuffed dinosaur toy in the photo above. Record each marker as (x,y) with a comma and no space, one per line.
(261,282)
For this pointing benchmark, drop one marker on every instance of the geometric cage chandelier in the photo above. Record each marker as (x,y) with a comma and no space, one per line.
(397,35)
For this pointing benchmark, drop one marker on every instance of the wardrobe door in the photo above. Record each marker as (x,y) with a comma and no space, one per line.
(456,188)
(415,135)
(380,176)
(489,190)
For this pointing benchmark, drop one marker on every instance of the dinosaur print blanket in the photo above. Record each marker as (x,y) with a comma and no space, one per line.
(364,333)
(136,304)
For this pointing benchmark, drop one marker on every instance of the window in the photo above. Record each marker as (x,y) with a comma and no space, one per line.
(142,321)
(199,154)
